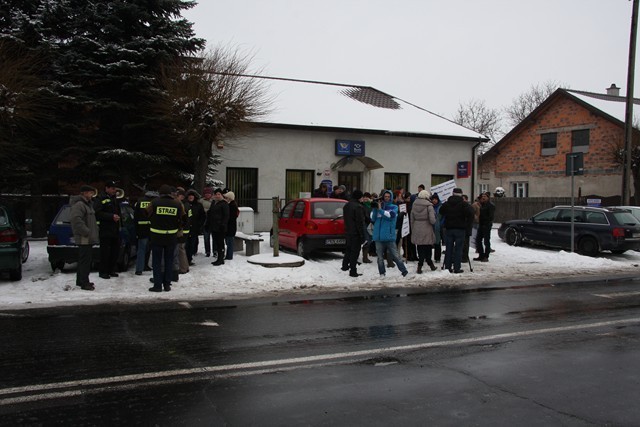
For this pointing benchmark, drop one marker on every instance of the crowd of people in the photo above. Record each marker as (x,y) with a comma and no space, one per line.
(168,225)
(395,227)
(399,226)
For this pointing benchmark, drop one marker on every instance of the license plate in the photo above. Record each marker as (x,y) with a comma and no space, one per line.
(330,242)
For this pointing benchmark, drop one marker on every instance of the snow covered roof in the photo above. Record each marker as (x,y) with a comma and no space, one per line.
(614,106)
(339,106)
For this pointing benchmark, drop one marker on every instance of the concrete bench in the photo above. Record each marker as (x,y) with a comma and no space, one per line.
(252,242)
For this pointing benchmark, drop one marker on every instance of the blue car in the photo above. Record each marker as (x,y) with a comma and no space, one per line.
(63,250)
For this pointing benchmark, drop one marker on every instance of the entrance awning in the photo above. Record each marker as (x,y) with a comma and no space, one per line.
(368,162)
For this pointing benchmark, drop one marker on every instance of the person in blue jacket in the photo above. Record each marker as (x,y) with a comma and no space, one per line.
(383,217)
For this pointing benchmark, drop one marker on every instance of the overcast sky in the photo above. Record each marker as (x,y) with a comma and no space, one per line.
(433,53)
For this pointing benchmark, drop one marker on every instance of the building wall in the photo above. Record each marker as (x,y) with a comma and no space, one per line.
(520,159)
(273,151)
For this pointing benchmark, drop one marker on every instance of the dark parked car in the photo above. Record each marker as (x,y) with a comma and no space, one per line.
(595,230)
(14,246)
(63,250)
(315,224)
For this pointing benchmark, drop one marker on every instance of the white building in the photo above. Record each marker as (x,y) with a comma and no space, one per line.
(348,135)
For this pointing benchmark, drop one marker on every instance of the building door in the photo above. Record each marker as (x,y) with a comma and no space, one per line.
(351,180)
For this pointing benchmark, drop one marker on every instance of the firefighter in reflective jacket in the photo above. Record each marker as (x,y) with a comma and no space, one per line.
(166,216)
(142,231)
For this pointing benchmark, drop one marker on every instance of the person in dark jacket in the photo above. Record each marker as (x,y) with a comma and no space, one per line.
(232,226)
(485,222)
(197,223)
(321,191)
(166,215)
(107,208)
(85,233)
(458,217)
(218,221)
(354,227)
(142,231)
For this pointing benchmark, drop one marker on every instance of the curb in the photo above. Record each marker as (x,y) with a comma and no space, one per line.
(305,296)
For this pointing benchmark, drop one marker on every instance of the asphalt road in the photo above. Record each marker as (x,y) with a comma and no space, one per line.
(538,355)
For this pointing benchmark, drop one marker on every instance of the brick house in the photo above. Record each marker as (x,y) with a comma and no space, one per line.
(530,161)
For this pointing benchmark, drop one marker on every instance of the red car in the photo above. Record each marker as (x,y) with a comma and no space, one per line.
(308,225)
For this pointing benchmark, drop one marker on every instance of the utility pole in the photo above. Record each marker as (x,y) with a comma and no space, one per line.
(628,117)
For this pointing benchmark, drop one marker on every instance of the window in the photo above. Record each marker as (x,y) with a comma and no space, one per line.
(439,179)
(565,215)
(596,218)
(520,189)
(286,212)
(244,183)
(483,188)
(395,180)
(580,141)
(298,181)
(299,212)
(549,215)
(548,144)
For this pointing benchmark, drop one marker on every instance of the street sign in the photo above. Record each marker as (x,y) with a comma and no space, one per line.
(576,160)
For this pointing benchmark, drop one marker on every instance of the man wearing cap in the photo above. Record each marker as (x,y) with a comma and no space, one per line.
(107,209)
(85,233)
(354,227)
(166,215)
(458,218)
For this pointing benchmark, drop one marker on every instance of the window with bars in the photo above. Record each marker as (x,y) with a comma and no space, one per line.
(439,179)
(395,180)
(244,183)
(298,181)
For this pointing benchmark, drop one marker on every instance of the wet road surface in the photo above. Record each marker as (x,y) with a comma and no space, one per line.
(546,355)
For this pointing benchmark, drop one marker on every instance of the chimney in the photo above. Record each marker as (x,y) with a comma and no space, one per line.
(613,90)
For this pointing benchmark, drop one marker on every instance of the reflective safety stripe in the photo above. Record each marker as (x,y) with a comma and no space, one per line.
(157,231)
(185,231)
(105,201)
(144,222)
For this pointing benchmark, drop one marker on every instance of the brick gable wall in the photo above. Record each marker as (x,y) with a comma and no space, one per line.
(521,155)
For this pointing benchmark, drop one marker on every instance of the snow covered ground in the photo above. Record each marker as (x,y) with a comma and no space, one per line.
(241,279)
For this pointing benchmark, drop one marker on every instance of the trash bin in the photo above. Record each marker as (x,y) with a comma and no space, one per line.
(245,221)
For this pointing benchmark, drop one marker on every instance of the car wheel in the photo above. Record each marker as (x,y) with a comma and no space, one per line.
(588,246)
(123,265)
(16,274)
(618,252)
(513,237)
(302,250)
(25,252)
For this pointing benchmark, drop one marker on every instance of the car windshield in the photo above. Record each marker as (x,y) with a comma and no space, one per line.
(64,216)
(329,209)
(625,218)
